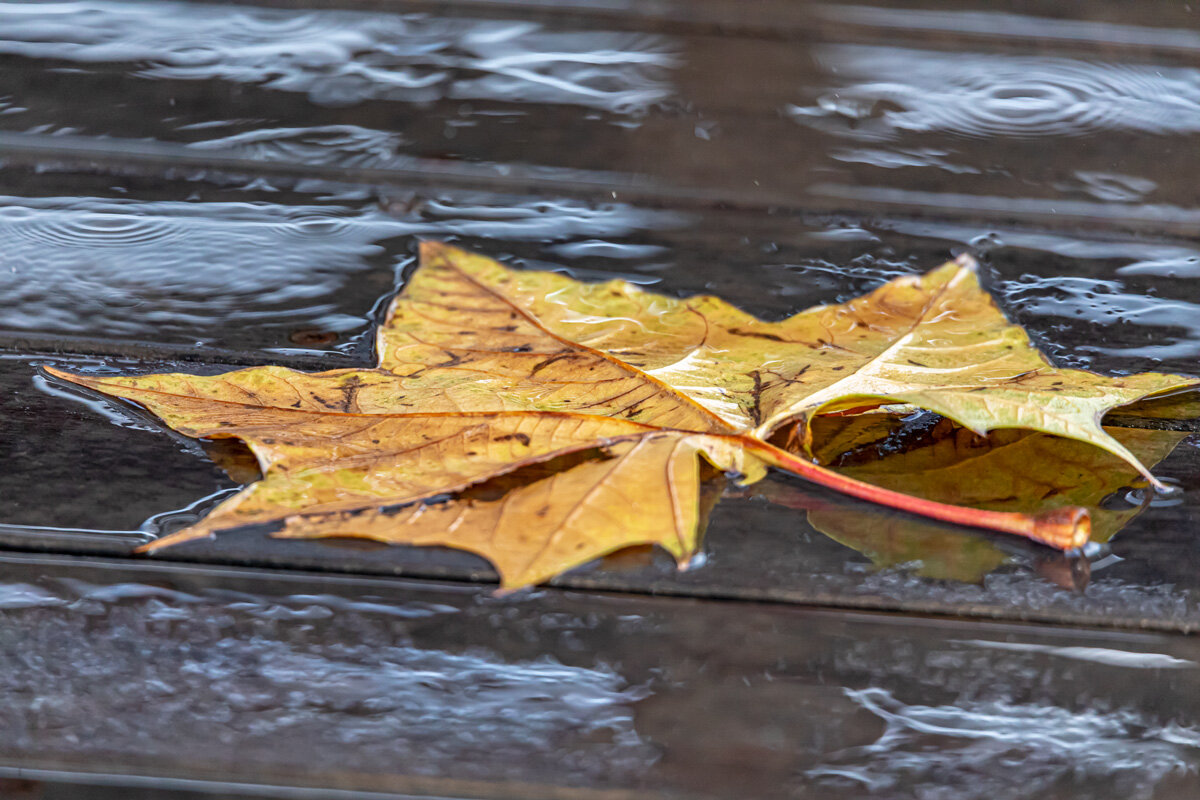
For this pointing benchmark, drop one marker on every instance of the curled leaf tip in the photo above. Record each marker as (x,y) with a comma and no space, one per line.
(57,373)
(967,261)
(428,247)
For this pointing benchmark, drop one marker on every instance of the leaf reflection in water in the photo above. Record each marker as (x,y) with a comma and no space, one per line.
(1008,470)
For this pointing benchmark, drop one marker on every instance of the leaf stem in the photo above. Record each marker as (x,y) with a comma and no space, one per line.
(1062,528)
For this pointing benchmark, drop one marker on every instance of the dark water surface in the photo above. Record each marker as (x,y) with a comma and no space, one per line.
(199,186)
(227,676)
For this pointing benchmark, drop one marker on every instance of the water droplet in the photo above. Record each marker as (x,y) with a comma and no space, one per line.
(1172,494)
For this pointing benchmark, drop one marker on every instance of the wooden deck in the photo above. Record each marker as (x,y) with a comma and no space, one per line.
(198,187)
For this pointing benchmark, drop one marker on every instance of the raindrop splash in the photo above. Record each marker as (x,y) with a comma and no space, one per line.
(891,91)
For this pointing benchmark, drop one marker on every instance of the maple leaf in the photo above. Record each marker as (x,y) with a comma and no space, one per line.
(542,422)
(1006,470)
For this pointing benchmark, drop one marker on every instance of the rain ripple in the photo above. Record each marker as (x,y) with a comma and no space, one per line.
(97,229)
(82,265)
(340,58)
(897,90)
(182,270)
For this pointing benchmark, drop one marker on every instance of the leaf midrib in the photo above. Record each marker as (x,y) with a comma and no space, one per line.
(796,408)
(722,425)
(403,415)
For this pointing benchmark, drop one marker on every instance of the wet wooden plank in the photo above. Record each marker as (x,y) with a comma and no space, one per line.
(131,265)
(167,262)
(879,109)
(213,675)
(1101,24)
(179,672)
(97,476)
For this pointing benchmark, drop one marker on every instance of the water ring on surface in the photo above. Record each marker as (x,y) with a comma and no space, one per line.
(1042,98)
(91,229)
(315,226)
(992,97)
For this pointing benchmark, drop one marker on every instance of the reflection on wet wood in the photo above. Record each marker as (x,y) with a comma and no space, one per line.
(408,687)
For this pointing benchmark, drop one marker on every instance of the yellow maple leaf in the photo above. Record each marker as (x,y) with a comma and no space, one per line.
(591,405)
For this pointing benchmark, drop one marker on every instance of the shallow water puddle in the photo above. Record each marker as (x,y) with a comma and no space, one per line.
(193,186)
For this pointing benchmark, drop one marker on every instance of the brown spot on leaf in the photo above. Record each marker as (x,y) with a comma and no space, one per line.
(523,438)
(757,334)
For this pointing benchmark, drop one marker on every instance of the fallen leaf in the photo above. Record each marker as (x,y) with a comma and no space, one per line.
(542,422)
